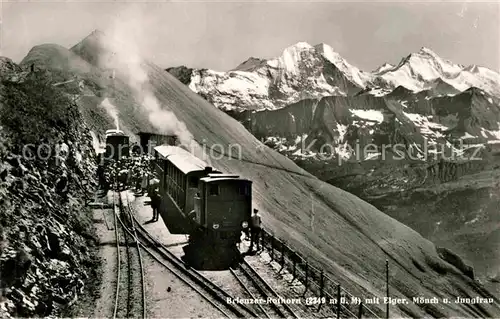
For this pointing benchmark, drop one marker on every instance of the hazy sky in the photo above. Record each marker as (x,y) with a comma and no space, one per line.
(220,35)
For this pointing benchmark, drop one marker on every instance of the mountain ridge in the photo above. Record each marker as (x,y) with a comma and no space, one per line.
(307,71)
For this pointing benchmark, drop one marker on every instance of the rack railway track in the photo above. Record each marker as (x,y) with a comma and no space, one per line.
(272,305)
(129,266)
(209,291)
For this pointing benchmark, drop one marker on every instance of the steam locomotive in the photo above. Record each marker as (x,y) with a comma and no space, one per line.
(117,144)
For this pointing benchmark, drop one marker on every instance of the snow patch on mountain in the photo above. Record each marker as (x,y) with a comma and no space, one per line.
(342,130)
(467,135)
(430,130)
(371,115)
(491,133)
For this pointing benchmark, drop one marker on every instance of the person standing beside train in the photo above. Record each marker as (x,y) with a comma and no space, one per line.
(155,203)
(137,177)
(144,181)
(101,176)
(255,229)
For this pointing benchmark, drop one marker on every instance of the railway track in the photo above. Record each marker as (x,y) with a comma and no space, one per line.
(129,301)
(213,294)
(270,304)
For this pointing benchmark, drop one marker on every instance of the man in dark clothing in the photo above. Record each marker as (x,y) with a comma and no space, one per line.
(255,229)
(100,176)
(155,204)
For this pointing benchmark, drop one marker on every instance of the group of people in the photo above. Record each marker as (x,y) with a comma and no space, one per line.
(131,173)
(125,174)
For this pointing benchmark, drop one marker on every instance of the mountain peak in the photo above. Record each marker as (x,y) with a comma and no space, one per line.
(98,32)
(322,46)
(384,67)
(328,52)
(249,65)
(96,35)
(300,46)
(91,47)
(428,51)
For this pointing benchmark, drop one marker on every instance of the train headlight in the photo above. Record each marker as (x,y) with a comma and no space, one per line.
(244,224)
(215,226)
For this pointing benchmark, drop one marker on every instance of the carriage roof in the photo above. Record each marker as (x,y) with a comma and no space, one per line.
(114,132)
(223,177)
(180,158)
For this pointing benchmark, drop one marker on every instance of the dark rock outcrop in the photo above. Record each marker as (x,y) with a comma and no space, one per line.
(456,261)
(182,73)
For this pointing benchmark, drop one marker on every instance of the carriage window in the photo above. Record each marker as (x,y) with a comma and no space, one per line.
(214,190)
(193,182)
(243,190)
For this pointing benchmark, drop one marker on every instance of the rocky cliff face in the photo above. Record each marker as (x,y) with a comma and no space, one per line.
(442,124)
(46,169)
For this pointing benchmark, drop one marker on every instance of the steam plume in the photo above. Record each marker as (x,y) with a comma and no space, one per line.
(122,55)
(112,111)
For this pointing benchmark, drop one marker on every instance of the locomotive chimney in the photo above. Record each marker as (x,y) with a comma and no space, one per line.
(208,170)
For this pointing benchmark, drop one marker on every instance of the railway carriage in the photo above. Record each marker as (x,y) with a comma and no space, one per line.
(179,172)
(217,205)
(148,141)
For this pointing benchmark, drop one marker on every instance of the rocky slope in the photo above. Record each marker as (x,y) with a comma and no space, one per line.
(47,257)
(304,72)
(343,141)
(455,207)
(350,238)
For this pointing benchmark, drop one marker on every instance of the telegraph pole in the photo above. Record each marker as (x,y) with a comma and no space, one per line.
(387,288)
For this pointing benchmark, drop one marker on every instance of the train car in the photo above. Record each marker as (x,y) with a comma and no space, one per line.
(148,141)
(179,172)
(217,205)
(223,205)
(117,145)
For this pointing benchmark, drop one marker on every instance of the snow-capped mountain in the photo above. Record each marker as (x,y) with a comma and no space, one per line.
(425,69)
(304,71)
(312,91)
